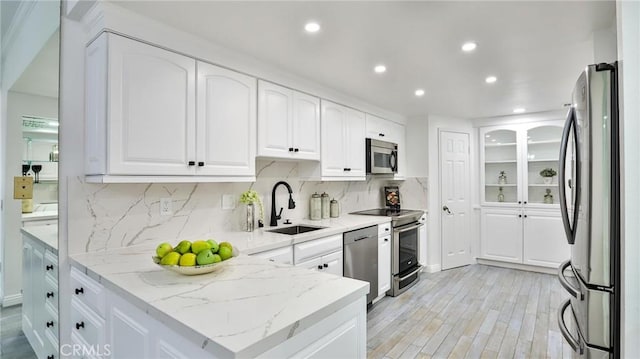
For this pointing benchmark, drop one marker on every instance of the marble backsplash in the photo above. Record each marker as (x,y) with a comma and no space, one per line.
(107,216)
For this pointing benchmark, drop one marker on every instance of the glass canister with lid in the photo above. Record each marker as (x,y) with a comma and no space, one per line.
(324,198)
(315,207)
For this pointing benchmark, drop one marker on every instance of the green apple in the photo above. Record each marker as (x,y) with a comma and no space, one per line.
(183,247)
(163,249)
(170,259)
(217,258)
(214,245)
(199,246)
(225,253)
(205,257)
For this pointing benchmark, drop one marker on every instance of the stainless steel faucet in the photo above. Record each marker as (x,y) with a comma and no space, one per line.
(292,204)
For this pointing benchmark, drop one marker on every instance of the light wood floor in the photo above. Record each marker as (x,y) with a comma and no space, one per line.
(470,312)
(13,343)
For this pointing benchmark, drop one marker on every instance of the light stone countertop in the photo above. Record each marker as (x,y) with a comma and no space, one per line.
(39,216)
(261,240)
(258,304)
(46,233)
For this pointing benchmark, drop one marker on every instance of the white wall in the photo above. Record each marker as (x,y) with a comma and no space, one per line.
(628,13)
(18,104)
(417,146)
(435,124)
(604,45)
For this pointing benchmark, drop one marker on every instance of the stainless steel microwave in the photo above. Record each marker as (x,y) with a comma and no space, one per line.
(382,157)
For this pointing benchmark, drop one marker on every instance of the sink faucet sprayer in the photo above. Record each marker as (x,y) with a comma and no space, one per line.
(292,204)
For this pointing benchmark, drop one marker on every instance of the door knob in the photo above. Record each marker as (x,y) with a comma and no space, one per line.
(446,209)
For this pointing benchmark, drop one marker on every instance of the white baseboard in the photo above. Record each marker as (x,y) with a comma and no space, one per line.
(432,268)
(526,267)
(11,300)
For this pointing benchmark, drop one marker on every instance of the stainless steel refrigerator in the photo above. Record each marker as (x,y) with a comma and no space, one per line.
(589,180)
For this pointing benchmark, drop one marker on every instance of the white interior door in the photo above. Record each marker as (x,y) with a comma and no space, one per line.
(455,196)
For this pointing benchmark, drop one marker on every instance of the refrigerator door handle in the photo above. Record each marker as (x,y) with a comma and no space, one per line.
(575,292)
(573,342)
(564,145)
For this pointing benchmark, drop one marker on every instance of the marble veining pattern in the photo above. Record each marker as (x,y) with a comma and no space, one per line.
(246,307)
(108,216)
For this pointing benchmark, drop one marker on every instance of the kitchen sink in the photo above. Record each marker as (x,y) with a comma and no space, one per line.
(295,230)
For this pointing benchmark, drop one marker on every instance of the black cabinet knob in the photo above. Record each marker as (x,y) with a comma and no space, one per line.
(296,149)
(319,267)
(525,216)
(519,202)
(49,324)
(200,164)
(79,325)
(525,202)
(325,265)
(290,149)
(49,294)
(79,290)
(192,163)
(386,229)
(50,267)
(381,134)
(51,357)
(386,239)
(519,216)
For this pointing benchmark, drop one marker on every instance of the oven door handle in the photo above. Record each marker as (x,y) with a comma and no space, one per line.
(406,229)
(410,274)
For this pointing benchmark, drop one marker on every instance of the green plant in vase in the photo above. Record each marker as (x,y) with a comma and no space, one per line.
(548,174)
(251,198)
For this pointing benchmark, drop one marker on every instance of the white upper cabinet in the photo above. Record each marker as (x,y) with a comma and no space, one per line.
(143,124)
(226,125)
(343,141)
(379,128)
(288,123)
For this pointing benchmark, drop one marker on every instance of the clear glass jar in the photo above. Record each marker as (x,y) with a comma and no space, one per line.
(335,208)
(324,198)
(315,207)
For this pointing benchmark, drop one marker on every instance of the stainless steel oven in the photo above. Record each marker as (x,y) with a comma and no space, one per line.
(381,157)
(405,268)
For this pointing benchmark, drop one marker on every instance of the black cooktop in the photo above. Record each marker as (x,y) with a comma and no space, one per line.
(387,212)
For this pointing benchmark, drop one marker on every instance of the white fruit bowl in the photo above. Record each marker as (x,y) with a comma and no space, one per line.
(195,270)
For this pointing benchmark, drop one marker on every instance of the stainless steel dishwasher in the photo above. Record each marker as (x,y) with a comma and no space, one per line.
(361,257)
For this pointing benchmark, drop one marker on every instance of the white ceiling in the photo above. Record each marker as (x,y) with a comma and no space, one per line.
(536,49)
(41,76)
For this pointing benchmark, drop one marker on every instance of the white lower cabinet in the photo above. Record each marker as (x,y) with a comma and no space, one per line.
(282,255)
(129,332)
(324,254)
(384,264)
(39,298)
(524,236)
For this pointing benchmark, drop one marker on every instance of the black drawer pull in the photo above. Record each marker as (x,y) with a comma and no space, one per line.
(381,134)
(290,149)
(296,149)
(200,164)
(319,267)
(79,290)
(51,357)
(386,239)
(192,163)
(79,325)
(50,324)
(49,294)
(325,265)
(50,267)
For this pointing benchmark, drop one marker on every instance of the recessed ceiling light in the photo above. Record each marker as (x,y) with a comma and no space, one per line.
(519,110)
(312,27)
(487,136)
(491,79)
(469,46)
(419,92)
(380,69)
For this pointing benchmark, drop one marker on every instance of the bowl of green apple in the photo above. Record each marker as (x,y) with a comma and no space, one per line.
(193,258)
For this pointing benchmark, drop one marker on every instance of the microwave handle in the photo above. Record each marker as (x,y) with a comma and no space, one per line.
(393,161)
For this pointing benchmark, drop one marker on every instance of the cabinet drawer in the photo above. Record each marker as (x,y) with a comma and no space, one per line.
(316,248)
(86,324)
(280,255)
(51,345)
(51,292)
(51,265)
(384,229)
(87,290)
(51,320)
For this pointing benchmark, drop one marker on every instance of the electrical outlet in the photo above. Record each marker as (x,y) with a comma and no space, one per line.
(166,207)
(229,201)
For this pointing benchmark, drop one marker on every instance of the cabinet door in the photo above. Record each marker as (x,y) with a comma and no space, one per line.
(501,234)
(129,333)
(333,263)
(39,297)
(315,264)
(355,143)
(333,139)
(151,108)
(226,125)
(542,151)
(384,264)
(500,165)
(28,287)
(378,128)
(306,126)
(545,243)
(274,120)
